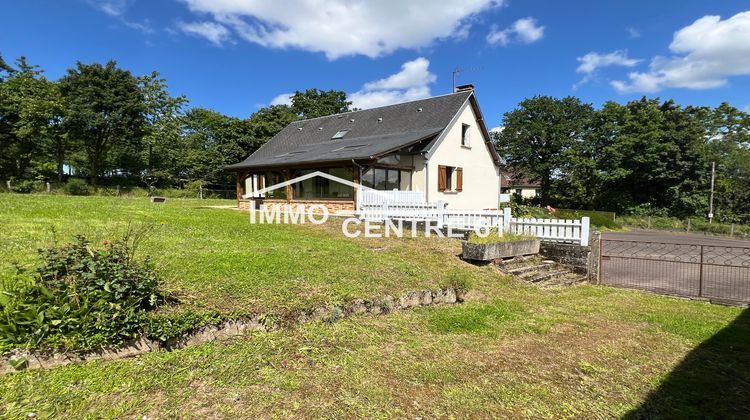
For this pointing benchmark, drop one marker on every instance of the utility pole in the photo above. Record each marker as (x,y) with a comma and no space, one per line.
(711,199)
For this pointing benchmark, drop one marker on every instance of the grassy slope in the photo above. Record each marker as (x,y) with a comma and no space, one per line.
(512,349)
(216,259)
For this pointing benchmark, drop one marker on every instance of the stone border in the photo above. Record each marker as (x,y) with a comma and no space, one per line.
(233,328)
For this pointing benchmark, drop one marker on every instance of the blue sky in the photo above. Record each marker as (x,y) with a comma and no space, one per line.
(237,55)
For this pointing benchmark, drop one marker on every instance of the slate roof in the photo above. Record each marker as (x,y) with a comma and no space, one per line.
(372,133)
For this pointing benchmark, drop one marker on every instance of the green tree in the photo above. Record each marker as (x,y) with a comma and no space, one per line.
(314,103)
(648,158)
(106,110)
(211,141)
(267,122)
(164,114)
(539,137)
(727,143)
(32,111)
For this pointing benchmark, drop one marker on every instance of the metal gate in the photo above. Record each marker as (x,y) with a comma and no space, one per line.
(720,273)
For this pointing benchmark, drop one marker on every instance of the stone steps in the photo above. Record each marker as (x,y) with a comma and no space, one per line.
(543,273)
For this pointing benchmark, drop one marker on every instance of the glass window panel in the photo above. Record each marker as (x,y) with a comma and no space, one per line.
(380,179)
(322,188)
(273,178)
(392,183)
(337,189)
(368,177)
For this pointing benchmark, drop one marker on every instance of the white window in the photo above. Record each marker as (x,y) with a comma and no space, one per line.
(465,135)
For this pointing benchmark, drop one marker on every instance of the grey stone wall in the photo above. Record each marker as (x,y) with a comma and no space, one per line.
(575,256)
(582,259)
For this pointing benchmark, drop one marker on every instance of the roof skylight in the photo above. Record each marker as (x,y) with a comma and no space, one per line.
(340,134)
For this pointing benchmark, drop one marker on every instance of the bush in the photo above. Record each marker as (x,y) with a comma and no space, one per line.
(23,187)
(77,187)
(80,297)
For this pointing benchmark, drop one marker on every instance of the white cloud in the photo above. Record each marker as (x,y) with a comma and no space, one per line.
(498,129)
(523,30)
(110,7)
(213,32)
(283,99)
(411,83)
(633,32)
(593,61)
(344,27)
(706,53)
(117,10)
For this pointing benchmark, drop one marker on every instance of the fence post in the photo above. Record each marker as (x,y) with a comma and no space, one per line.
(49,188)
(200,192)
(585,230)
(731,231)
(385,211)
(506,219)
(700,276)
(8,184)
(440,213)
(118,190)
(688,227)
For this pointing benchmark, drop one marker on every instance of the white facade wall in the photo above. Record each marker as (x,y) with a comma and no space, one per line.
(481,177)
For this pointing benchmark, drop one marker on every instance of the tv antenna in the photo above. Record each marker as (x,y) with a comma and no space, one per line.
(455,73)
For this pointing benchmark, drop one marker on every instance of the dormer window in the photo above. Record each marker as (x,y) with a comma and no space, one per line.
(340,134)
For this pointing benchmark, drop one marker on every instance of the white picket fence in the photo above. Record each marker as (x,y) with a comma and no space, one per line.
(552,230)
(376,197)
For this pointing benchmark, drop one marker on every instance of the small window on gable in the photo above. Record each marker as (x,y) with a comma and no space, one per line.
(340,134)
(465,135)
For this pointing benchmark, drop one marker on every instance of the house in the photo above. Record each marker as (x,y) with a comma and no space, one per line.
(516,184)
(438,146)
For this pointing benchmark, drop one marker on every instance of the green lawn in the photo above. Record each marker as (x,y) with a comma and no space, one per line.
(511,350)
(215,259)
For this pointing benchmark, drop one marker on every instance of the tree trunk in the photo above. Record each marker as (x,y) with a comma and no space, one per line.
(94,173)
(544,187)
(60,161)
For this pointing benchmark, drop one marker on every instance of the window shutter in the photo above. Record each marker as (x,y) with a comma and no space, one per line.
(442,176)
(459,179)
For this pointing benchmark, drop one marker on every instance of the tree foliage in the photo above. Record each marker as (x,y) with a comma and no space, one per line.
(645,156)
(314,103)
(112,126)
(105,110)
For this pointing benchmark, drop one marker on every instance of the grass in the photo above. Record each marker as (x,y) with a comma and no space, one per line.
(602,220)
(681,225)
(493,237)
(216,260)
(512,350)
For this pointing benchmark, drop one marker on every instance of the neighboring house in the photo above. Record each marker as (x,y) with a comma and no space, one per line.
(514,183)
(439,146)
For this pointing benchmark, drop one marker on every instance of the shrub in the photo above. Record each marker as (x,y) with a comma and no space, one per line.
(165,328)
(23,187)
(494,237)
(457,279)
(80,297)
(77,187)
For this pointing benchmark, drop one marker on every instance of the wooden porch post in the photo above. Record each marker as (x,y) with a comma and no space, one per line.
(289,188)
(355,178)
(239,187)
